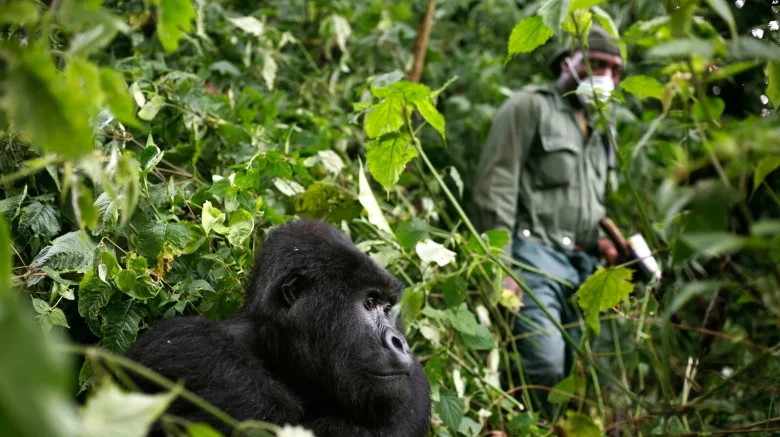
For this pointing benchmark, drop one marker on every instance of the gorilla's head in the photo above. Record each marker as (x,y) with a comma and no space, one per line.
(323,316)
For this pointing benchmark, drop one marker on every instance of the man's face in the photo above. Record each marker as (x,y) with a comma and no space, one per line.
(602,64)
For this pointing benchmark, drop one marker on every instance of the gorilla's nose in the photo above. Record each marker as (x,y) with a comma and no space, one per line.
(398,349)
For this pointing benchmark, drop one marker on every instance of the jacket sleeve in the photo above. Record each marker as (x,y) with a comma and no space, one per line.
(502,159)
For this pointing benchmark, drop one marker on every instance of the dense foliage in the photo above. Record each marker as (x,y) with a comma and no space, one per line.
(148,146)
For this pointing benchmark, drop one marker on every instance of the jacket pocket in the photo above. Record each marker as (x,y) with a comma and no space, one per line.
(557,165)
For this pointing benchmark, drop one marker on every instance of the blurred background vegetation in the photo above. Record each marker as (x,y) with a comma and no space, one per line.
(146,147)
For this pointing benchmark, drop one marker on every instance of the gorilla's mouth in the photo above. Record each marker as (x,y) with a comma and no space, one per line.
(389,375)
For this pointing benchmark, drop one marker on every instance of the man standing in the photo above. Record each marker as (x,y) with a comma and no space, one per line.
(542,177)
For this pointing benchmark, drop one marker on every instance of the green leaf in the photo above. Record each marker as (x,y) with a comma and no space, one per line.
(93,295)
(643,87)
(145,288)
(40,306)
(39,219)
(366,197)
(722,9)
(562,392)
(154,238)
(174,19)
(450,409)
(765,166)
(120,325)
(151,108)
(481,340)
(240,227)
(19,12)
(117,96)
(10,207)
(91,40)
(410,231)
(202,430)
(509,299)
(527,35)
(774,249)
(39,100)
(584,4)
(387,158)
(773,87)
(463,320)
(430,251)
(57,317)
(195,239)
(225,67)
(603,290)
(86,213)
(469,427)
(681,48)
(431,115)
(108,213)
(454,292)
(553,12)
(410,305)
(150,157)
(125,280)
(385,117)
(211,217)
(580,425)
(72,252)
(718,243)
(715,106)
(111,412)
(748,47)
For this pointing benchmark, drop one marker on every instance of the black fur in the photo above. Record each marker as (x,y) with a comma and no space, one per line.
(304,346)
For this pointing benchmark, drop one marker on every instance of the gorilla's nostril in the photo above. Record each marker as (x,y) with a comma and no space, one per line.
(398,344)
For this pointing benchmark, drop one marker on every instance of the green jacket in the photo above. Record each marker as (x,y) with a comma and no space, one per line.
(538,177)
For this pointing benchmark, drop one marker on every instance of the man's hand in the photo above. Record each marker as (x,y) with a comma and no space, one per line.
(512,286)
(608,251)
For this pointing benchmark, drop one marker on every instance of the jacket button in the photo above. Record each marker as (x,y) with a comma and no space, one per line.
(526,233)
(566,241)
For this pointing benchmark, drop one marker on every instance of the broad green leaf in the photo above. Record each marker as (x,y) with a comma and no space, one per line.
(481,340)
(580,425)
(748,47)
(410,92)
(603,290)
(527,35)
(117,96)
(774,249)
(387,158)
(715,106)
(463,320)
(562,392)
(10,207)
(450,409)
(643,86)
(195,239)
(410,231)
(410,305)
(681,48)
(773,87)
(120,325)
(35,393)
(145,288)
(455,291)
(150,157)
(72,252)
(431,115)
(40,306)
(125,280)
(39,100)
(39,219)
(430,251)
(108,259)
(609,25)
(240,227)
(86,214)
(18,12)
(93,295)
(250,25)
(210,217)
(385,117)
(366,197)
(111,412)
(553,12)
(93,39)
(469,428)
(155,238)
(722,9)
(288,187)
(174,19)
(226,68)
(108,213)
(57,318)
(765,166)
(718,243)
(151,108)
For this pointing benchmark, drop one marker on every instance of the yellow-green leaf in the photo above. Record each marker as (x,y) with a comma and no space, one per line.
(773,87)
(527,35)
(431,115)
(386,117)
(553,13)
(765,166)
(174,19)
(117,96)
(387,158)
(20,12)
(643,86)
(603,290)
(580,425)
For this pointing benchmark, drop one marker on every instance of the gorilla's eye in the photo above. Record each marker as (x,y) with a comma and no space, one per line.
(371,303)
(387,309)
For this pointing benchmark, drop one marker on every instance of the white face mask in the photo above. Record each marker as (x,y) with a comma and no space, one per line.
(604,85)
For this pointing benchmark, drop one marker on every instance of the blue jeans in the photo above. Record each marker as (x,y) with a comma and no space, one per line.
(547,358)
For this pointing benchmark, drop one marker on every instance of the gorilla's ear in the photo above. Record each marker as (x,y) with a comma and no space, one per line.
(293,286)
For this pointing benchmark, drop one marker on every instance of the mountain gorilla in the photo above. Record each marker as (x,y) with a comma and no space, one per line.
(313,344)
